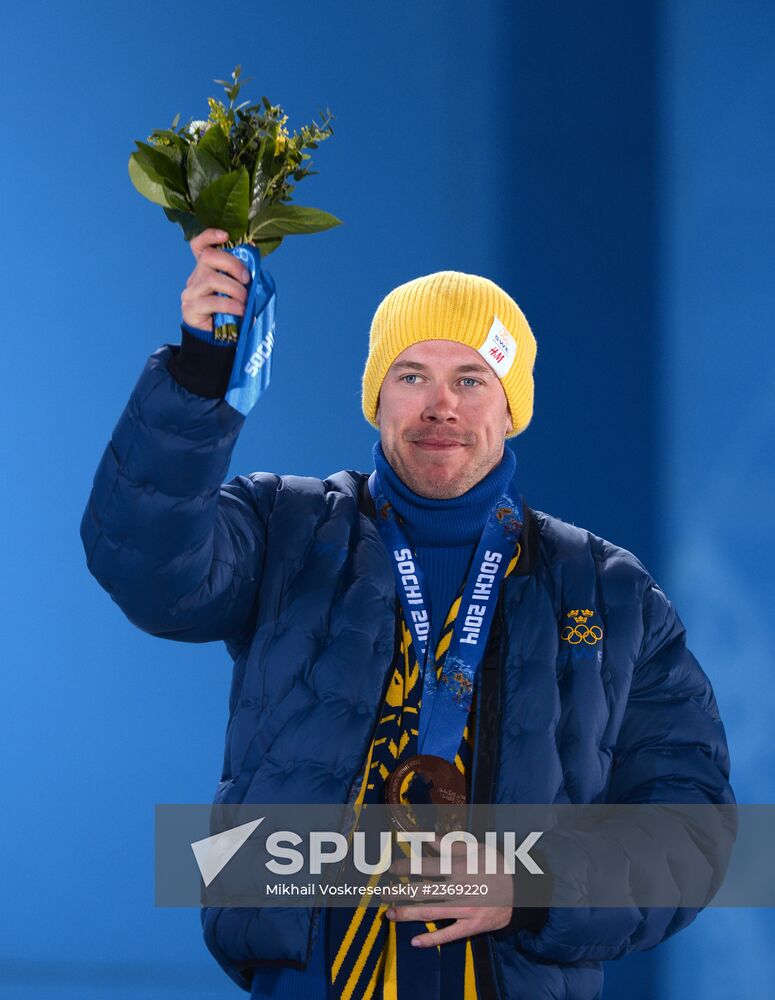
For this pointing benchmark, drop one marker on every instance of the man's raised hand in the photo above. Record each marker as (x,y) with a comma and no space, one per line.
(215,271)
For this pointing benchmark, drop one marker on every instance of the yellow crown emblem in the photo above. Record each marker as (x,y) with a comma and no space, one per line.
(580,617)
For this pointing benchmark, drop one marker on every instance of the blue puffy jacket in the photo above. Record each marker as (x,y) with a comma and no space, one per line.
(292,575)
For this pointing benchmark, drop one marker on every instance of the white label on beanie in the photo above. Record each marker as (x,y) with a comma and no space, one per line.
(499,349)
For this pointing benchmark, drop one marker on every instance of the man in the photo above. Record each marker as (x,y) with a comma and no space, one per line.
(301,579)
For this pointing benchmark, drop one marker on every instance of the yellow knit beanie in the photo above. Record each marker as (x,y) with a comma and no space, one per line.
(452,305)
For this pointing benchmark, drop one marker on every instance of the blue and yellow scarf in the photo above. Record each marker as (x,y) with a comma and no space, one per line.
(370,956)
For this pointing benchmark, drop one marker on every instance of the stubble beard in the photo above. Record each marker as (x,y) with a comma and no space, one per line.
(424,485)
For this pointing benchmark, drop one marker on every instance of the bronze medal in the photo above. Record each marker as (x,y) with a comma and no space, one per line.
(423,780)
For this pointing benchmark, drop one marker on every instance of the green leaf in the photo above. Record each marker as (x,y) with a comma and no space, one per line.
(162,161)
(176,200)
(187,221)
(175,120)
(147,181)
(284,220)
(203,169)
(258,183)
(215,143)
(176,153)
(267,152)
(224,204)
(267,246)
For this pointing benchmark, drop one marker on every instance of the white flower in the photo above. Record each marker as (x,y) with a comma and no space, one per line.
(197,129)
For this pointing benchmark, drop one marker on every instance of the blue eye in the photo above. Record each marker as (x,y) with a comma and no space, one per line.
(471,381)
(403,377)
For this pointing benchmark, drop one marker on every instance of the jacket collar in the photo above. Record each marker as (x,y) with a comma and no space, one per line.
(529,538)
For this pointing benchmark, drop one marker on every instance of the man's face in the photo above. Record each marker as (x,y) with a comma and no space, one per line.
(442,417)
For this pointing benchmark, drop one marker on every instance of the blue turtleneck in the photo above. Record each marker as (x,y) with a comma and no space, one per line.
(444,535)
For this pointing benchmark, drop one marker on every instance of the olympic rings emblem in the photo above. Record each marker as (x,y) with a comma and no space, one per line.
(575,634)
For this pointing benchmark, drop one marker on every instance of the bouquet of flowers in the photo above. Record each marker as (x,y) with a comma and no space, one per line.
(233,171)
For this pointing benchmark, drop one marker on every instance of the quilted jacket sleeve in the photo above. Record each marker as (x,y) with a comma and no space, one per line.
(179,551)
(671,749)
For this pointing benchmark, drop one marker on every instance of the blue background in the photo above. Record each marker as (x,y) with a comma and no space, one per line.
(609,164)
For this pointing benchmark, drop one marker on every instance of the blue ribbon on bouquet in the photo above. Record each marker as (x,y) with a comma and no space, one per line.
(252,367)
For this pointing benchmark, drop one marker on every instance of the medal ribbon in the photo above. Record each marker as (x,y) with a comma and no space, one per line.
(253,358)
(446,700)
(368,956)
